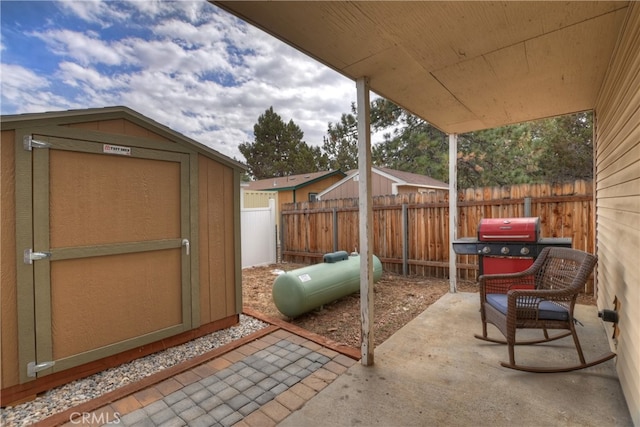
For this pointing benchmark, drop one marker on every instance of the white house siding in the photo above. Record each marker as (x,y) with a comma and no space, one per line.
(617,173)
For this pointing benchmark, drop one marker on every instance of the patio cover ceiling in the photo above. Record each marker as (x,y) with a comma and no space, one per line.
(462,66)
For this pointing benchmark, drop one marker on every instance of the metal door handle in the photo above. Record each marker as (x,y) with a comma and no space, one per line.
(185,243)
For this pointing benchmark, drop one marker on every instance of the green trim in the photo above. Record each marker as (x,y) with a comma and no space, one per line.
(195,239)
(92,142)
(237,241)
(32,213)
(91,355)
(76,252)
(185,223)
(24,272)
(42,268)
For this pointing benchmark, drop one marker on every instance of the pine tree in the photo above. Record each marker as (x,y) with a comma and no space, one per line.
(278,149)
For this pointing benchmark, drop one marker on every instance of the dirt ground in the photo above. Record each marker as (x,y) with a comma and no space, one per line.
(397,300)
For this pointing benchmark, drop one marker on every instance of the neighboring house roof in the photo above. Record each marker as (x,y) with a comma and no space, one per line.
(61,118)
(291,182)
(399,178)
(408,178)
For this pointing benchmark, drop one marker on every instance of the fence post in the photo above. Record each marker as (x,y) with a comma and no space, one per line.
(335,230)
(527,206)
(282,236)
(273,220)
(405,243)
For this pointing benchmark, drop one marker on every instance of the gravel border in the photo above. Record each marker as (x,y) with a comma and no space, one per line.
(72,394)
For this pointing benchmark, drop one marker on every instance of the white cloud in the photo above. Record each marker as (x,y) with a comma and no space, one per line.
(86,48)
(78,76)
(31,93)
(94,11)
(107,12)
(15,77)
(187,65)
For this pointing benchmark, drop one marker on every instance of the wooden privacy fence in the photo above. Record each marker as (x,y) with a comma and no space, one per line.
(411,231)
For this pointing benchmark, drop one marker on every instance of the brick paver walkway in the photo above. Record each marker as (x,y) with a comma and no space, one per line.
(257,384)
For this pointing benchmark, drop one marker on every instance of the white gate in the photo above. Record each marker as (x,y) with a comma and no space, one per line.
(258,227)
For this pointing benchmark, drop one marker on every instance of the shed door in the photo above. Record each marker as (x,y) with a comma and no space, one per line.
(115,221)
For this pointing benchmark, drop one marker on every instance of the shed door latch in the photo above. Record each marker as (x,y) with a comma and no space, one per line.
(185,243)
(33,368)
(30,256)
(29,143)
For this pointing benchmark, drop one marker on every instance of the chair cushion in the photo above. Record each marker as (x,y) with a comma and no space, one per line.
(547,310)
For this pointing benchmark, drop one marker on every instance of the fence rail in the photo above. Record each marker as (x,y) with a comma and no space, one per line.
(411,231)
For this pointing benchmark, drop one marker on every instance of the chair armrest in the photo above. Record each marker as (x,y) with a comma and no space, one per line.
(545,294)
(526,306)
(522,299)
(502,283)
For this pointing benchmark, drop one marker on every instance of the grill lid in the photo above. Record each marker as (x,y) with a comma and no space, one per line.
(509,229)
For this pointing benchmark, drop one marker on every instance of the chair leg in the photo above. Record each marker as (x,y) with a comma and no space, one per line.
(577,343)
(485,335)
(512,356)
(539,369)
(546,334)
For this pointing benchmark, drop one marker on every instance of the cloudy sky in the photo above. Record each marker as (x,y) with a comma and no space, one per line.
(185,64)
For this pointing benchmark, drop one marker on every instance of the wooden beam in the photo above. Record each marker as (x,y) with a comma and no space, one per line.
(453,209)
(365,221)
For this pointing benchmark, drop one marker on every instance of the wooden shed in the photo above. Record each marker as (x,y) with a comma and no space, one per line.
(120,237)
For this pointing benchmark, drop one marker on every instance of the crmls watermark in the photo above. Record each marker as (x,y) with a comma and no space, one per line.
(91,418)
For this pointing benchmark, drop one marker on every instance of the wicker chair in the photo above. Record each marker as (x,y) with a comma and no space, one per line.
(541,297)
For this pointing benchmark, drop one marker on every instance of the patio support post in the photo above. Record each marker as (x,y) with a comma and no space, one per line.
(365,217)
(453,209)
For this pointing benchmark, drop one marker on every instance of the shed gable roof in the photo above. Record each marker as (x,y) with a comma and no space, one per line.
(61,118)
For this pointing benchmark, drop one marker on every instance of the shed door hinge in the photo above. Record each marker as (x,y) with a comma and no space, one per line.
(33,368)
(30,256)
(29,143)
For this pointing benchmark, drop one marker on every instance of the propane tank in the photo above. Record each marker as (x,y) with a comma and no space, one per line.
(299,291)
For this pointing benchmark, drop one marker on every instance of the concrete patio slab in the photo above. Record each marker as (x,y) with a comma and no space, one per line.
(433,372)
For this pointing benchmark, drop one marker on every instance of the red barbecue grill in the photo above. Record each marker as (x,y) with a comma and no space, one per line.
(507,245)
